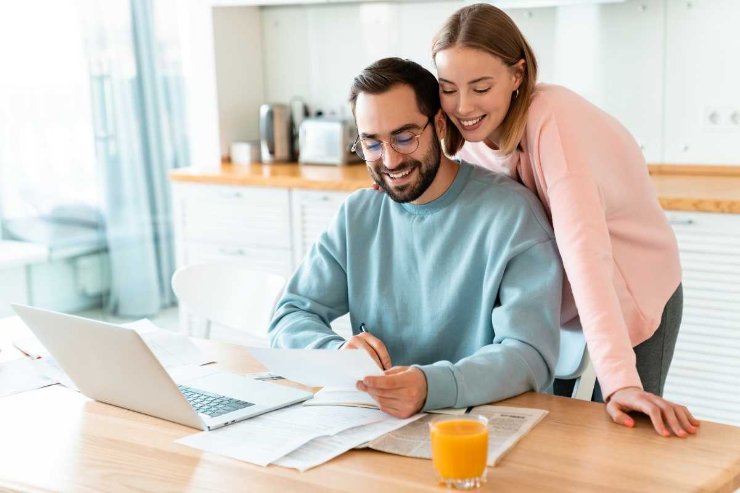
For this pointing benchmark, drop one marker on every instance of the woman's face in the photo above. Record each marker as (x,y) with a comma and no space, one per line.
(476,89)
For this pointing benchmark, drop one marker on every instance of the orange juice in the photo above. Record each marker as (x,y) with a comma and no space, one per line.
(460,446)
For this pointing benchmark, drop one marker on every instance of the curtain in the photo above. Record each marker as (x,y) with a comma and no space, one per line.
(139,117)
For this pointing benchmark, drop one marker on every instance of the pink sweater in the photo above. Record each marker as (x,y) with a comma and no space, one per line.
(619,252)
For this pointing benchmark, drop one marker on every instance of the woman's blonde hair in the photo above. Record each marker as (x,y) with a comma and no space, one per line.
(487,28)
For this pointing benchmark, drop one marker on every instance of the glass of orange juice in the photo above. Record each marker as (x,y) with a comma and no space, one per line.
(460,450)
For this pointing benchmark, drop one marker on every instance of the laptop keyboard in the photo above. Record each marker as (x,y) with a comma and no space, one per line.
(211,404)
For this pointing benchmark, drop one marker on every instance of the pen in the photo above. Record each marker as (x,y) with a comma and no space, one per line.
(363,328)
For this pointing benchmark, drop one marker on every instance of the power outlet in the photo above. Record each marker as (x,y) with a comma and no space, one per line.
(721,118)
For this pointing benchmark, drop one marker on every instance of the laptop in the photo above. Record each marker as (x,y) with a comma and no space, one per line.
(113,364)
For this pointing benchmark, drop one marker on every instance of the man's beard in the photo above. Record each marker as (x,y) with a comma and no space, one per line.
(428,167)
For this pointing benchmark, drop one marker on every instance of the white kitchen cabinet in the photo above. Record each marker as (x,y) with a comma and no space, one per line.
(268,229)
(312,212)
(705,373)
(247,224)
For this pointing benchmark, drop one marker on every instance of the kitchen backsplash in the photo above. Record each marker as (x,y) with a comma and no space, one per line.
(666,68)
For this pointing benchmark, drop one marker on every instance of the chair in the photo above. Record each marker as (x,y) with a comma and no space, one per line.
(574,362)
(229,294)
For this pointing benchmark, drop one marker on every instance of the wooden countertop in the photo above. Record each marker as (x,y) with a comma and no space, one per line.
(289,175)
(696,188)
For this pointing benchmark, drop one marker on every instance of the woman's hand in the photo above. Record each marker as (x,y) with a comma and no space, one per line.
(667,418)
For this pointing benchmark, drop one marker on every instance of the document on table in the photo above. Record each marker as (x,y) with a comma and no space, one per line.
(506,426)
(21,375)
(334,396)
(323,449)
(318,367)
(265,439)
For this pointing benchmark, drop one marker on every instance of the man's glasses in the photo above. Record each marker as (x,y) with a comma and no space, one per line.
(405,142)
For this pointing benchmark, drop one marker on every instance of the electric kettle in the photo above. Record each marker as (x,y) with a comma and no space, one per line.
(276,133)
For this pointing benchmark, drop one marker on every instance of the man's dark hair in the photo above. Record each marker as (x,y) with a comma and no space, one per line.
(380,76)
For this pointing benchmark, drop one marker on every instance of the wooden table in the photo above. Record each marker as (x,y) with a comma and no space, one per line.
(54,439)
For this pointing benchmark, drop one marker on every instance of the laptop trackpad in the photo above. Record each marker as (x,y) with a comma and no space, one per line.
(247,389)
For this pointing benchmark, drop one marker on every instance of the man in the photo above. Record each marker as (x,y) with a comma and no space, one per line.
(452,270)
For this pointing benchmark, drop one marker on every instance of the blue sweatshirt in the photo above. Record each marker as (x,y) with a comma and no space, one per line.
(466,287)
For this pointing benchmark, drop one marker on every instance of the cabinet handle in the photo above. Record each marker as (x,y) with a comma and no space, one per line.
(231,195)
(232,251)
(318,198)
(681,222)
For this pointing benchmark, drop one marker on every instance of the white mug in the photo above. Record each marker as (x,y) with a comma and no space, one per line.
(245,152)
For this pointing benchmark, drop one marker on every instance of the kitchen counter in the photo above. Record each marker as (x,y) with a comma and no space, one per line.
(695,188)
(288,175)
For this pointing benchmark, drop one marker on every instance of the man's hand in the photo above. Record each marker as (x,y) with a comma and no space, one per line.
(668,418)
(374,347)
(401,392)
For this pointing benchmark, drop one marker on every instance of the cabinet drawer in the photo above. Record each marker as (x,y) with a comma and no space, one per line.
(236,215)
(273,260)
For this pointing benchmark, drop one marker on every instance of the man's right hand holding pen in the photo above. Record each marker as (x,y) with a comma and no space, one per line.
(374,347)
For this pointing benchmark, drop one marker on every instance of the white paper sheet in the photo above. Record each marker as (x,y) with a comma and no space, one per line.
(170,348)
(264,439)
(334,396)
(31,346)
(21,375)
(318,367)
(323,449)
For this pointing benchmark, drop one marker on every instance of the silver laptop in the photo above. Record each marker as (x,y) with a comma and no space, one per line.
(113,364)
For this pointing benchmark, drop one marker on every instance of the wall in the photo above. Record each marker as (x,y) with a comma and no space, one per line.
(665,68)
(238,54)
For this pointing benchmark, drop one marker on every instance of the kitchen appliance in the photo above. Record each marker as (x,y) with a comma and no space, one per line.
(327,140)
(276,133)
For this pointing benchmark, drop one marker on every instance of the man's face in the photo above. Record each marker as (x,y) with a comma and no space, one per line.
(391,115)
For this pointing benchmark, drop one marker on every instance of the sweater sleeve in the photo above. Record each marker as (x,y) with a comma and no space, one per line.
(579,220)
(525,344)
(315,295)
(583,239)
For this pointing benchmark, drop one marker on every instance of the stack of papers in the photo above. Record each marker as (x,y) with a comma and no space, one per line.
(340,418)
(298,436)
(304,436)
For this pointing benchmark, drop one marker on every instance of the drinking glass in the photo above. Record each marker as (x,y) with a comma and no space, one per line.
(460,450)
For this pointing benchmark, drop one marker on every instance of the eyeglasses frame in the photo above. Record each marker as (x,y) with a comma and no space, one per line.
(358,140)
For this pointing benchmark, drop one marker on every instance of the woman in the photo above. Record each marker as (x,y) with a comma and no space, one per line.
(618,250)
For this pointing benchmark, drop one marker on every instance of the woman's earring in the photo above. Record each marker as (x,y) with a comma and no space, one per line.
(516,93)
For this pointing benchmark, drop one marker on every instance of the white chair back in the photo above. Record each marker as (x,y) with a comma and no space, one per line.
(574,362)
(229,294)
